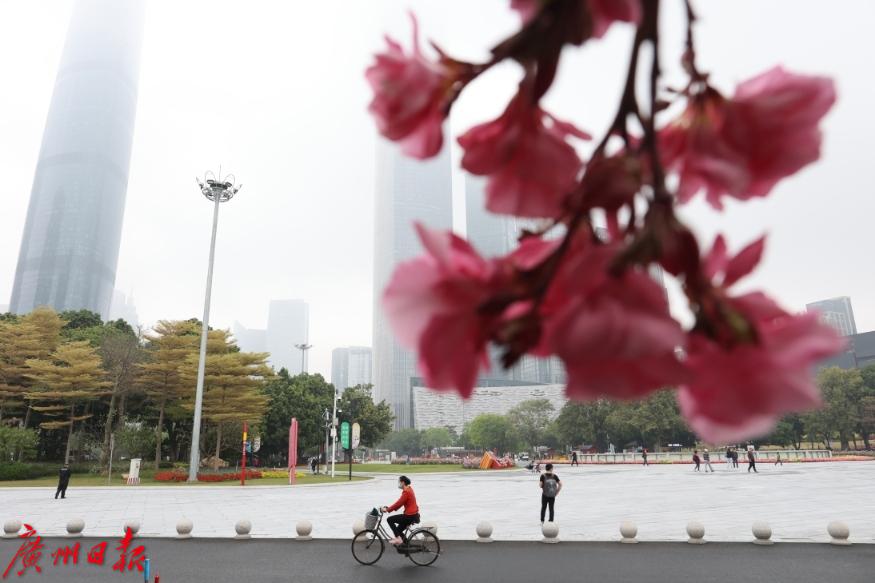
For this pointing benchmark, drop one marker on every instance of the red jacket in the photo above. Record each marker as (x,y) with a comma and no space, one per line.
(408,501)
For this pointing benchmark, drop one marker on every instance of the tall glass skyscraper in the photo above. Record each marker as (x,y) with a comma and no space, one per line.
(70,246)
(408,190)
(836,312)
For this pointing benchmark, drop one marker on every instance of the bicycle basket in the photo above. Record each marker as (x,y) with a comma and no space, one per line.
(371,521)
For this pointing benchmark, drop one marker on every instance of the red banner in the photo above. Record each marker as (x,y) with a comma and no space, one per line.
(293,449)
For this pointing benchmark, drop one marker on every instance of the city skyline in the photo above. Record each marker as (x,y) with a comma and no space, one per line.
(303,224)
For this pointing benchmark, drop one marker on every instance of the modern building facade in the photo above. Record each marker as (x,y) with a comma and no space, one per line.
(837,312)
(859,352)
(69,250)
(351,366)
(288,324)
(407,191)
(447,409)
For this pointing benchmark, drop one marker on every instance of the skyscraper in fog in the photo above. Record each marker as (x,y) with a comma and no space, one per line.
(70,246)
(351,366)
(493,235)
(837,312)
(407,190)
(288,324)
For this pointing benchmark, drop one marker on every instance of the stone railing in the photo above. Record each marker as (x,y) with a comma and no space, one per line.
(717,456)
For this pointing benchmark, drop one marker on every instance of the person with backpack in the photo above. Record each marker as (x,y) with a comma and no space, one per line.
(706,457)
(696,460)
(550,488)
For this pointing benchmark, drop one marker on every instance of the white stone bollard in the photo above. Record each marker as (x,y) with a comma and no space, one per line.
(133,525)
(304,528)
(75,527)
(628,531)
(550,530)
(839,532)
(184,528)
(11,528)
(243,528)
(484,532)
(358,526)
(762,533)
(430,527)
(696,532)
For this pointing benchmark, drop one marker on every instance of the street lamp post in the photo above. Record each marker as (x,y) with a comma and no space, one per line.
(217,190)
(303,348)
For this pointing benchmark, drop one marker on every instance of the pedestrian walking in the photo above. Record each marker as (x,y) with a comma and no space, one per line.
(751,461)
(778,460)
(63,481)
(644,456)
(696,459)
(706,457)
(550,488)
(574,461)
(728,458)
(734,458)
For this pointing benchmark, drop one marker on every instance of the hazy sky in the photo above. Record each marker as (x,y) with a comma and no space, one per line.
(274,92)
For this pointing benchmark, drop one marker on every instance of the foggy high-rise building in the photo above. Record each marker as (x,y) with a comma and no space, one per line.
(351,366)
(288,324)
(837,312)
(69,250)
(407,190)
(494,235)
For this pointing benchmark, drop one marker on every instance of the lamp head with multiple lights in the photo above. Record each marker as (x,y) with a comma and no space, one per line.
(222,189)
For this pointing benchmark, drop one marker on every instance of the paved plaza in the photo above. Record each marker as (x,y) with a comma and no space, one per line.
(797,500)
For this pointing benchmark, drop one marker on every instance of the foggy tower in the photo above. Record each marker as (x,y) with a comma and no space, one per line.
(69,250)
(408,190)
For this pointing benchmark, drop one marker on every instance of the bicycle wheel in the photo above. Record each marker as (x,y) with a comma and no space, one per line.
(423,548)
(367,547)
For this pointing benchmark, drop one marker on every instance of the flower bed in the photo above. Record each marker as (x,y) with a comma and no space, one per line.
(221,477)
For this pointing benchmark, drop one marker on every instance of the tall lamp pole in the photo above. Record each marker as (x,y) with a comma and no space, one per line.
(303,348)
(217,190)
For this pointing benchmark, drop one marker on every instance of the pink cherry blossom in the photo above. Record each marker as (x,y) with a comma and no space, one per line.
(743,382)
(410,97)
(614,333)
(602,13)
(525,153)
(740,392)
(432,304)
(742,147)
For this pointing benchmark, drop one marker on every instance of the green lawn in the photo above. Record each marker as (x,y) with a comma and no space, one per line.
(411,469)
(89,480)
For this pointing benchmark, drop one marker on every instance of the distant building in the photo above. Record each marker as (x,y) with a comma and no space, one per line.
(837,312)
(496,235)
(407,190)
(447,409)
(70,245)
(249,339)
(859,352)
(123,308)
(351,366)
(288,324)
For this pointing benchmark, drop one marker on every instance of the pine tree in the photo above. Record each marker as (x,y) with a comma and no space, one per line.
(233,383)
(64,382)
(33,336)
(162,376)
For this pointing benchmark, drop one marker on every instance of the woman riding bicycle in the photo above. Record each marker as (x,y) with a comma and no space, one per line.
(400,522)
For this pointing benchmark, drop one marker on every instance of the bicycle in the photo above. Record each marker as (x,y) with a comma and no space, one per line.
(420,545)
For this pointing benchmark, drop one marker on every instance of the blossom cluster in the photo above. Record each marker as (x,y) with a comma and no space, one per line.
(586,295)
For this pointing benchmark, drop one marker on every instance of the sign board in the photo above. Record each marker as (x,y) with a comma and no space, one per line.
(356,435)
(134,472)
(344,435)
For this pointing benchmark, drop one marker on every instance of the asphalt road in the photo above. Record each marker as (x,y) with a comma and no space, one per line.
(268,561)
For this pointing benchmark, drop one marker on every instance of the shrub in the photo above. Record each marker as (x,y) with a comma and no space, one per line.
(14,440)
(172,476)
(20,471)
(175,476)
